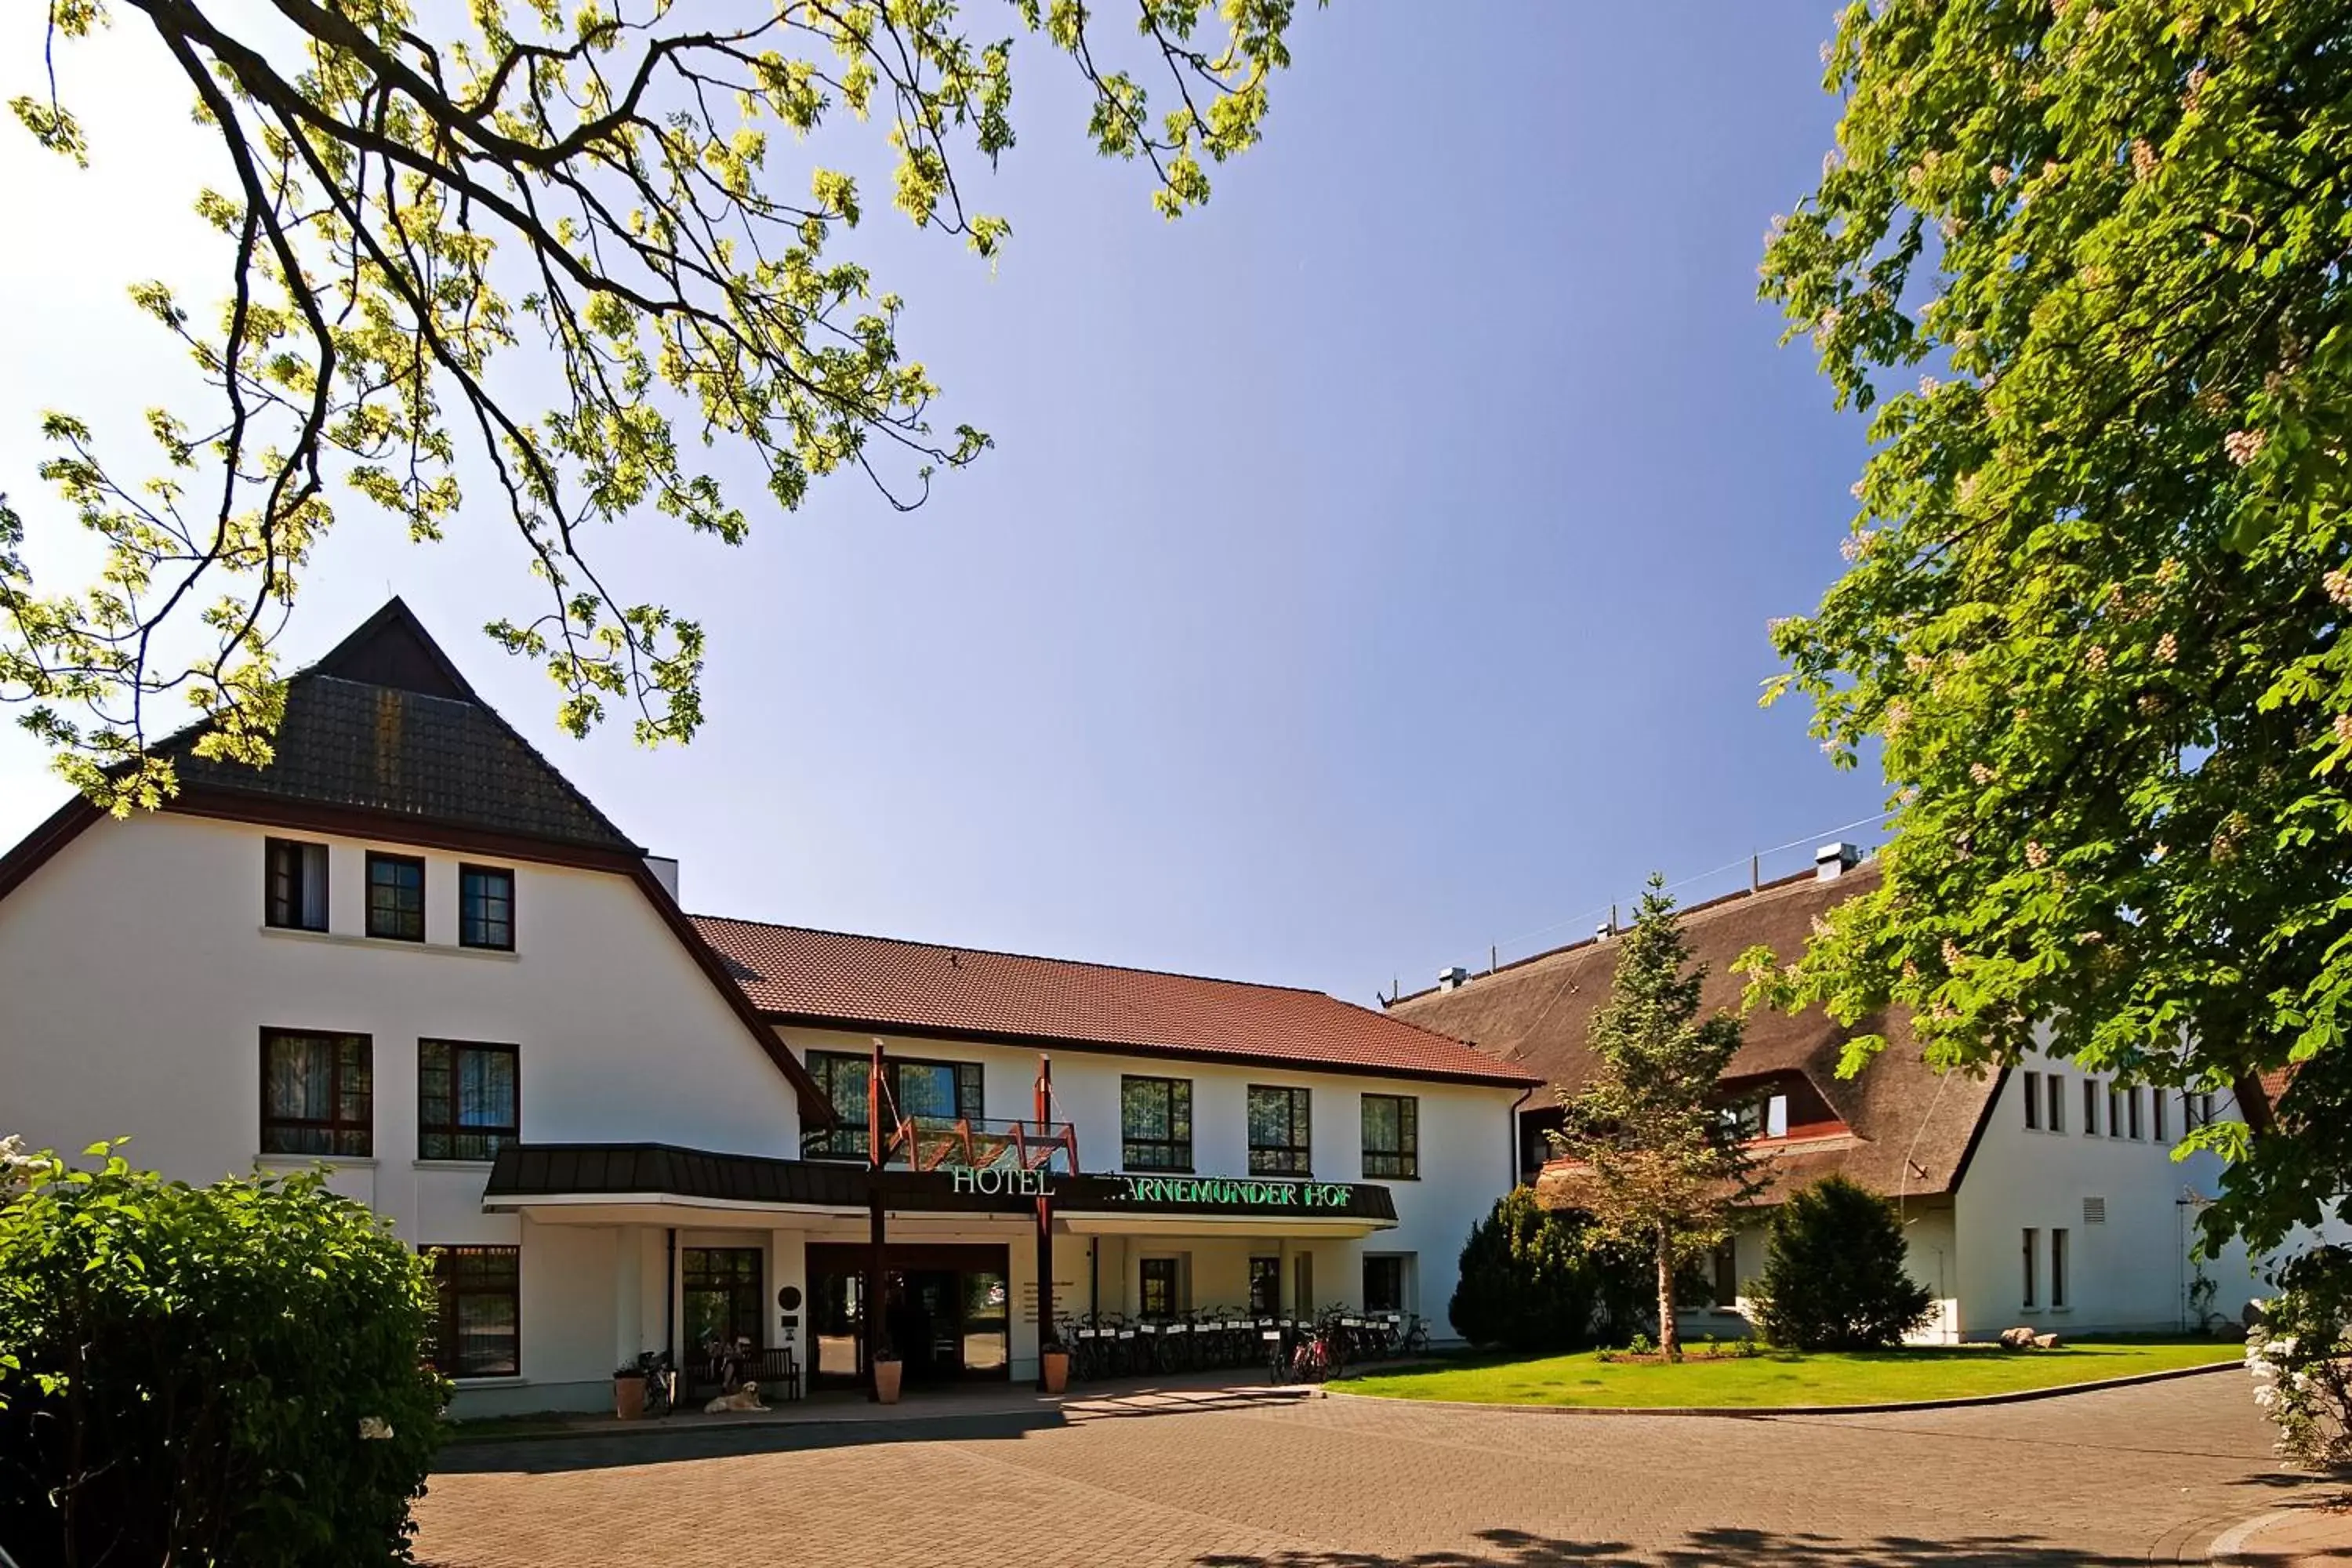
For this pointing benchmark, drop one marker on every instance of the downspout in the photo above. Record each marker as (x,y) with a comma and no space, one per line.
(670,1297)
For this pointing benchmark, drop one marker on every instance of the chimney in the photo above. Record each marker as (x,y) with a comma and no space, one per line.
(1452,978)
(1835,860)
(664,870)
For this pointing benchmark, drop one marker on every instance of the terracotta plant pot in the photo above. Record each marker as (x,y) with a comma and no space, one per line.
(1056,1365)
(629,1396)
(886,1381)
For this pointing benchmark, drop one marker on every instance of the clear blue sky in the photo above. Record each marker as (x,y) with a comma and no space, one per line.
(1372,567)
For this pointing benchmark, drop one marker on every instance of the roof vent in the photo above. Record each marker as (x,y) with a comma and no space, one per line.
(1452,978)
(1836,860)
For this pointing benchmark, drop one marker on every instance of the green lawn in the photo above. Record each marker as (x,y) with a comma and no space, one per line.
(1865,1377)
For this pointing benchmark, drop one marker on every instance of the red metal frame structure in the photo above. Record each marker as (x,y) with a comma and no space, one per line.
(929,1143)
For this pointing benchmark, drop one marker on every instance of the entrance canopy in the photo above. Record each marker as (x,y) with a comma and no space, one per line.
(603,1184)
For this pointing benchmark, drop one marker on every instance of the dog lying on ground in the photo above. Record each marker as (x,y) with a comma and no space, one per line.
(744,1398)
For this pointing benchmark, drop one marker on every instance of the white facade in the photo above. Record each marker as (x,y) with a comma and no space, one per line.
(137,976)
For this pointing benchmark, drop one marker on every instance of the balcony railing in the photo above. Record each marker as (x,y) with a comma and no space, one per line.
(972,1143)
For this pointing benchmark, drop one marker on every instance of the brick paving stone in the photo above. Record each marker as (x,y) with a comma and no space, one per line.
(2128,1476)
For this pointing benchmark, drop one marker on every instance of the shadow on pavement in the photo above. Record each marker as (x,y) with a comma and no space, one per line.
(550,1456)
(1518,1549)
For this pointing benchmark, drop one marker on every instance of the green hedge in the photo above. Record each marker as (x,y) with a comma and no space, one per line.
(1833,1276)
(187,1373)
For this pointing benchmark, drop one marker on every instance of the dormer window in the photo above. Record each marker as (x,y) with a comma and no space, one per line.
(296,895)
(1759,1116)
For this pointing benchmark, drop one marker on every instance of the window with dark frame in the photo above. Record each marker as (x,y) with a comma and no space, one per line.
(1279,1130)
(2090,1107)
(1383,1283)
(2114,1111)
(318,1094)
(2033,1247)
(486,904)
(1158,1286)
(2132,1098)
(1391,1136)
(1264,1287)
(721,1288)
(480,1291)
(395,897)
(2156,1113)
(296,895)
(467,1098)
(2057,1269)
(934,1089)
(2034,1102)
(2056,1084)
(1155,1123)
(1727,1275)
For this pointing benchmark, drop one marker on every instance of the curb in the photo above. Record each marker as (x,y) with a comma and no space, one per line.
(1769,1411)
(1047,1405)
(2229,1547)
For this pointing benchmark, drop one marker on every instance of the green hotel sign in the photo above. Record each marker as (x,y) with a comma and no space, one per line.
(1229,1192)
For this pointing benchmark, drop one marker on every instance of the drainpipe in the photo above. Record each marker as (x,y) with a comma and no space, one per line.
(670,1297)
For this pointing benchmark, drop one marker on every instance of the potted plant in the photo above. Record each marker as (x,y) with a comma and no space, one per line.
(1054,1363)
(885,1373)
(629,1392)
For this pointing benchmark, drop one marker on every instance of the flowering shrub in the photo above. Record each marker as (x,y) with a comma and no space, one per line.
(226,1375)
(2296,1356)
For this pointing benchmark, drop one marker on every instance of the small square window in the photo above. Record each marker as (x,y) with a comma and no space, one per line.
(318,1094)
(1155,1116)
(395,907)
(485,902)
(1160,1288)
(297,891)
(466,1099)
(1278,1132)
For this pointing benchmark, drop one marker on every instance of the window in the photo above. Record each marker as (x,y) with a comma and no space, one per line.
(481,1311)
(2090,1107)
(944,1092)
(395,906)
(2057,1269)
(296,894)
(466,1100)
(486,907)
(1155,1123)
(2115,1111)
(1384,1283)
(2034,1102)
(1266,1287)
(1278,1125)
(1727,1275)
(2196,1110)
(2156,1114)
(722,1286)
(1391,1136)
(1757,1116)
(2032,1249)
(318,1094)
(1160,1288)
(2056,1084)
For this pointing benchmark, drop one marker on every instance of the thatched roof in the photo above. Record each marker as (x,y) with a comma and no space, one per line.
(1911,1127)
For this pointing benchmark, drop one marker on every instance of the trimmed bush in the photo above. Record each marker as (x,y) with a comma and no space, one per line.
(1833,1277)
(223,1374)
(1534,1280)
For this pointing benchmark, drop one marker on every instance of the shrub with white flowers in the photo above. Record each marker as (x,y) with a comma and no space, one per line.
(2296,1355)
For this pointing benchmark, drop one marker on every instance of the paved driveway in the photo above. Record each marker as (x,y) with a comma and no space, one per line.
(2131,1475)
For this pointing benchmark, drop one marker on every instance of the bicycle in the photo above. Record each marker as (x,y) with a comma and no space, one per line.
(1416,1336)
(661,1382)
(1270,1338)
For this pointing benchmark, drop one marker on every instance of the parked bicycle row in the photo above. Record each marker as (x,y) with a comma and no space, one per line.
(1110,1345)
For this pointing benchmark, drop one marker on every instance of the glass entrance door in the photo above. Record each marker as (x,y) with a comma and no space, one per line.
(946,1311)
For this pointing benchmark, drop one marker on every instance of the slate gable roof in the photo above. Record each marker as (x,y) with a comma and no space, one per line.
(1913,1127)
(385,723)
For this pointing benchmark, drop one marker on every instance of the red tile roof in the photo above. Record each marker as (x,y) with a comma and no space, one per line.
(794,973)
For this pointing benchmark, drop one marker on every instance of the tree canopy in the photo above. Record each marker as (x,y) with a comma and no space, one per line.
(2099,573)
(599,190)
